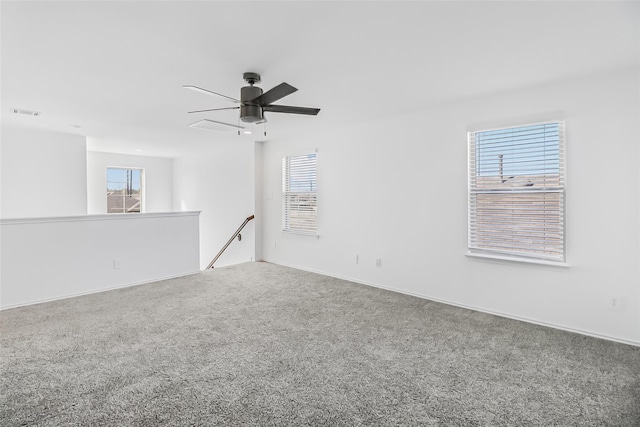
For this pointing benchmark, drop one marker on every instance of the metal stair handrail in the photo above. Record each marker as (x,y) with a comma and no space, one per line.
(246,221)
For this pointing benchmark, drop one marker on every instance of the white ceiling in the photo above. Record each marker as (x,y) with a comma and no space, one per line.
(116,69)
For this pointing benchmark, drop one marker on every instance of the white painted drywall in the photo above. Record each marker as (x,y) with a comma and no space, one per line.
(258,196)
(51,258)
(158,180)
(43,173)
(396,190)
(219,183)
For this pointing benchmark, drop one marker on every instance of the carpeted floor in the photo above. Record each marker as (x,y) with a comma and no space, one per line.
(263,345)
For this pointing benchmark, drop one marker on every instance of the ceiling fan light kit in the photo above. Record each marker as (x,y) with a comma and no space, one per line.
(254,102)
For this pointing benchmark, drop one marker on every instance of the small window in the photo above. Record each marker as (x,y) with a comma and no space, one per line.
(124,190)
(299,194)
(516,192)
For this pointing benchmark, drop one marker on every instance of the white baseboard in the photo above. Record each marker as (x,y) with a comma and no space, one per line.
(469,307)
(94,291)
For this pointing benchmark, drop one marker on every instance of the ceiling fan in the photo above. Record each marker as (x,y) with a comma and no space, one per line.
(253,102)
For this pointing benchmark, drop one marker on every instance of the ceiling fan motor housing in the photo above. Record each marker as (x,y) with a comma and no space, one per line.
(249,112)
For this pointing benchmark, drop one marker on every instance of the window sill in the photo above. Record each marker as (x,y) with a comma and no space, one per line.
(518,259)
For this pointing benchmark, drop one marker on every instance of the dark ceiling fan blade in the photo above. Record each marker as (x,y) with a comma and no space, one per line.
(272,95)
(292,110)
(208,92)
(214,109)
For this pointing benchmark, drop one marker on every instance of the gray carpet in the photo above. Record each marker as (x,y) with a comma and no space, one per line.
(263,345)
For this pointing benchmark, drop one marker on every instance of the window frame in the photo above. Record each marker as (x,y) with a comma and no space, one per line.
(287,194)
(142,188)
(539,194)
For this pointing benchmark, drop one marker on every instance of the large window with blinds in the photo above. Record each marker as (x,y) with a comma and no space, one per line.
(299,194)
(516,192)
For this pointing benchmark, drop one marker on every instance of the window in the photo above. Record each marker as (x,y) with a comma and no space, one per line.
(124,190)
(516,192)
(299,194)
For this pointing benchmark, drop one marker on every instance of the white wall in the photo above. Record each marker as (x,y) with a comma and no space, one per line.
(158,180)
(220,183)
(258,196)
(51,258)
(43,173)
(396,189)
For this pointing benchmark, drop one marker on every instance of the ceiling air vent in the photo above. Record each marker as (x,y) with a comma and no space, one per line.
(25,112)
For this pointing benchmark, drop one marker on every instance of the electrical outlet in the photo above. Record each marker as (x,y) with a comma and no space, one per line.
(355,259)
(117,264)
(378,262)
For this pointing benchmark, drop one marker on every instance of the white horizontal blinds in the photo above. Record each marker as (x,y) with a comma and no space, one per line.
(516,191)
(299,189)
